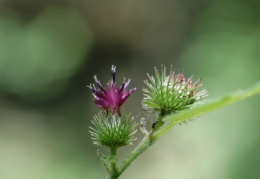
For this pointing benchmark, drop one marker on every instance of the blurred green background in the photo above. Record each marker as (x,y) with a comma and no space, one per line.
(50,51)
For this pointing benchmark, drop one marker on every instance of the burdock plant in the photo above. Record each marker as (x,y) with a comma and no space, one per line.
(172,98)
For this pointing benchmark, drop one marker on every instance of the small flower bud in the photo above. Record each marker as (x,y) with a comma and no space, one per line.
(168,94)
(112,130)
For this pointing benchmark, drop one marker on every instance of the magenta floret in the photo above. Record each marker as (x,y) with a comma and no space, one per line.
(112,98)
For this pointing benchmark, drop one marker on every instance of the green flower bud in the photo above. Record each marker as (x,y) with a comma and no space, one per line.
(113,130)
(168,94)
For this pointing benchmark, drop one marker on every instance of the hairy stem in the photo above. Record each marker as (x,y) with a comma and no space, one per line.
(146,142)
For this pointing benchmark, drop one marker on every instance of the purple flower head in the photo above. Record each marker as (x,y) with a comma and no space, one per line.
(112,98)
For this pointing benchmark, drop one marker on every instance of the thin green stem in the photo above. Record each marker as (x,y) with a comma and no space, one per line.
(159,122)
(113,153)
(105,162)
(146,142)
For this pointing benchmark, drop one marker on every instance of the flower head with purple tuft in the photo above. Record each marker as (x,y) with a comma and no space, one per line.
(113,128)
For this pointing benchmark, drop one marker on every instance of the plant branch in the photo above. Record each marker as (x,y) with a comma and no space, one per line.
(206,108)
(177,118)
